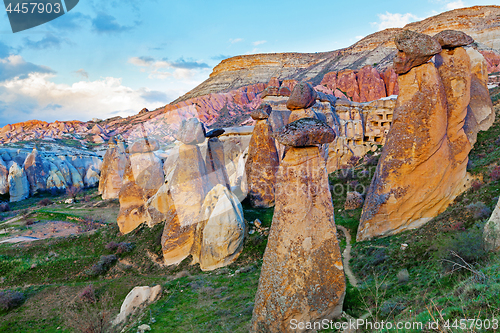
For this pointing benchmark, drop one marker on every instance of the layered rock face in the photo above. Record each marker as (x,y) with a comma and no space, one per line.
(302,274)
(261,165)
(423,165)
(4,177)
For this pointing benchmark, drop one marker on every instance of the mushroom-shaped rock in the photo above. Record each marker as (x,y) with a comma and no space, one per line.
(303,96)
(415,49)
(302,275)
(213,133)
(144,145)
(305,132)
(191,132)
(449,39)
(262,112)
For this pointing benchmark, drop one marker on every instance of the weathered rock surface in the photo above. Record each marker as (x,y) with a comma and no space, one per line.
(136,299)
(371,84)
(36,171)
(144,145)
(261,166)
(4,177)
(491,234)
(112,171)
(142,178)
(19,188)
(223,230)
(449,39)
(191,131)
(303,96)
(305,132)
(188,188)
(215,163)
(262,112)
(415,49)
(418,148)
(302,274)
(480,114)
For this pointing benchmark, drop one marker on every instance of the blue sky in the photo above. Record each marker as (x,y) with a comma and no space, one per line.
(107,58)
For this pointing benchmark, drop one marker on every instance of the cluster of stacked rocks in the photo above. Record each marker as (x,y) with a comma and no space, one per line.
(440,108)
(202,217)
(302,274)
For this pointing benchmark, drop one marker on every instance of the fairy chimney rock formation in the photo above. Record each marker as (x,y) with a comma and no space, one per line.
(113,170)
(215,160)
(187,191)
(302,274)
(262,162)
(142,178)
(427,141)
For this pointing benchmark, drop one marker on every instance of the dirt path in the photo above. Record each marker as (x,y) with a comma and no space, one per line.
(347,256)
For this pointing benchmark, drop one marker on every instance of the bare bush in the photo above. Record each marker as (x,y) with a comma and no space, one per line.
(102,266)
(73,191)
(91,317)
(45,202)
(4,207)
(10,299)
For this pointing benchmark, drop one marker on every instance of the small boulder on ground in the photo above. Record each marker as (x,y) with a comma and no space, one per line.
(137,298)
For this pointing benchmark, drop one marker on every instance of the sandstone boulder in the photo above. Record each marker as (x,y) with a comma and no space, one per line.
(136,299)
(262,112)
(303,96)
(302,275)
(347,85)
(391,82)
(305,132)
(491,234)
(223,230)
(415,49)
(284,91)
(213,133)
(449,39)
(261,165)
(191,132)
(19,188)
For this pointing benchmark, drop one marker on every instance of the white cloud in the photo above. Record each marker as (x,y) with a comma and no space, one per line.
(455,5)
(394,20)
(259,42)
(162,69)
(36,97)
(235,40)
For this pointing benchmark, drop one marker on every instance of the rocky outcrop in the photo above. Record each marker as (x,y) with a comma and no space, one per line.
(142,178)
(36,171)
(19,188)
(414,49)
(112,171)
(261,165)
(430,144)
(4,177)
(302,275)
(222,231)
